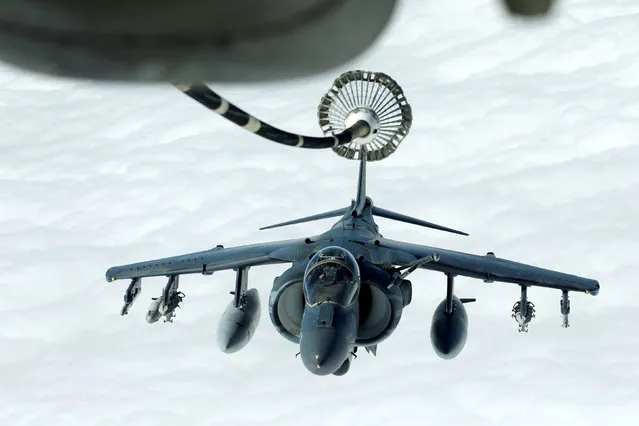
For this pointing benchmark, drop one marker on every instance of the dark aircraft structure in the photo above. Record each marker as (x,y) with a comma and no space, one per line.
(196,40)
(347,287)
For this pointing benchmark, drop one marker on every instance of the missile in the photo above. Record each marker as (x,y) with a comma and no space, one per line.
(153,314)
(237,324)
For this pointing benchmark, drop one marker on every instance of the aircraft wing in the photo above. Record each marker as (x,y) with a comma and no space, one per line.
(216,259)
(488,267)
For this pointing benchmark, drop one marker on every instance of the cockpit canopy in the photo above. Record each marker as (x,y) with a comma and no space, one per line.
(332,275)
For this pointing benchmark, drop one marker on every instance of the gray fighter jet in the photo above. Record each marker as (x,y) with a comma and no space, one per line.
(345,288)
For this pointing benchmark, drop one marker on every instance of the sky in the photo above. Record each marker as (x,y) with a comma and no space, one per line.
(524,136)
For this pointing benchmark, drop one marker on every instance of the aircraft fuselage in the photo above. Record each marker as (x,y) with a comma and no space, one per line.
(328,333)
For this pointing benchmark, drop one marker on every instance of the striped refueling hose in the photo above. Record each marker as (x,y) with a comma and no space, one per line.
(207,97)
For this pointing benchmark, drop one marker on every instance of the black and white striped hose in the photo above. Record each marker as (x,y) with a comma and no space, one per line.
(207,97)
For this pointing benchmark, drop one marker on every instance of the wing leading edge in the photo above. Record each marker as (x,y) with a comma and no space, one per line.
(488,267)
(216,259)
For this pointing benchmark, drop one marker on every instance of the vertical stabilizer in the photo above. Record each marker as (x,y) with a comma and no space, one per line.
(360,200)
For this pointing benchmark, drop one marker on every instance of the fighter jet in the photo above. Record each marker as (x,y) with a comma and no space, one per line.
(196,40)
(347,287)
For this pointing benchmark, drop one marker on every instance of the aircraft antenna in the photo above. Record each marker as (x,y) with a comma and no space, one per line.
(372,97)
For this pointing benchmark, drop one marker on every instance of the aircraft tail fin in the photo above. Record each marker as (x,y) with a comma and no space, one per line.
(355,209)
(319,216)
(359,204)
(360,199)
(378,211)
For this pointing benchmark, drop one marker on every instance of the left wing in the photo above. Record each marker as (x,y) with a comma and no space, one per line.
(216,259)
(488,267)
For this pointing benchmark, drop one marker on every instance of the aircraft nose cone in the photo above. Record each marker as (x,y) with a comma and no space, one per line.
(323,351)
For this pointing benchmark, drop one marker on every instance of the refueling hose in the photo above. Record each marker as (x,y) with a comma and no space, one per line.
(207,97)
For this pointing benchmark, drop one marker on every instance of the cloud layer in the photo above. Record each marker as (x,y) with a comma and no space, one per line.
(524,136)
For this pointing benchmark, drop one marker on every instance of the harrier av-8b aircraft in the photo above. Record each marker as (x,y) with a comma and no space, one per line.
(347,287)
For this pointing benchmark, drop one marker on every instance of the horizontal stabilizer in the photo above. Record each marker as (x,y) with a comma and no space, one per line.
(332,213)
(467,300)
(371,349)
(377,211)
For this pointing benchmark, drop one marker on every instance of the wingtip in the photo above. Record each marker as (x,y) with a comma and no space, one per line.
(110,275)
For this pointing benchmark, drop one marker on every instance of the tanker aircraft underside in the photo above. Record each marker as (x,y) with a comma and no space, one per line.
(347,287)
(200,40)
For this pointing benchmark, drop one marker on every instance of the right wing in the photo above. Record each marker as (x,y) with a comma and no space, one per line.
(216,259)
(488,267)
